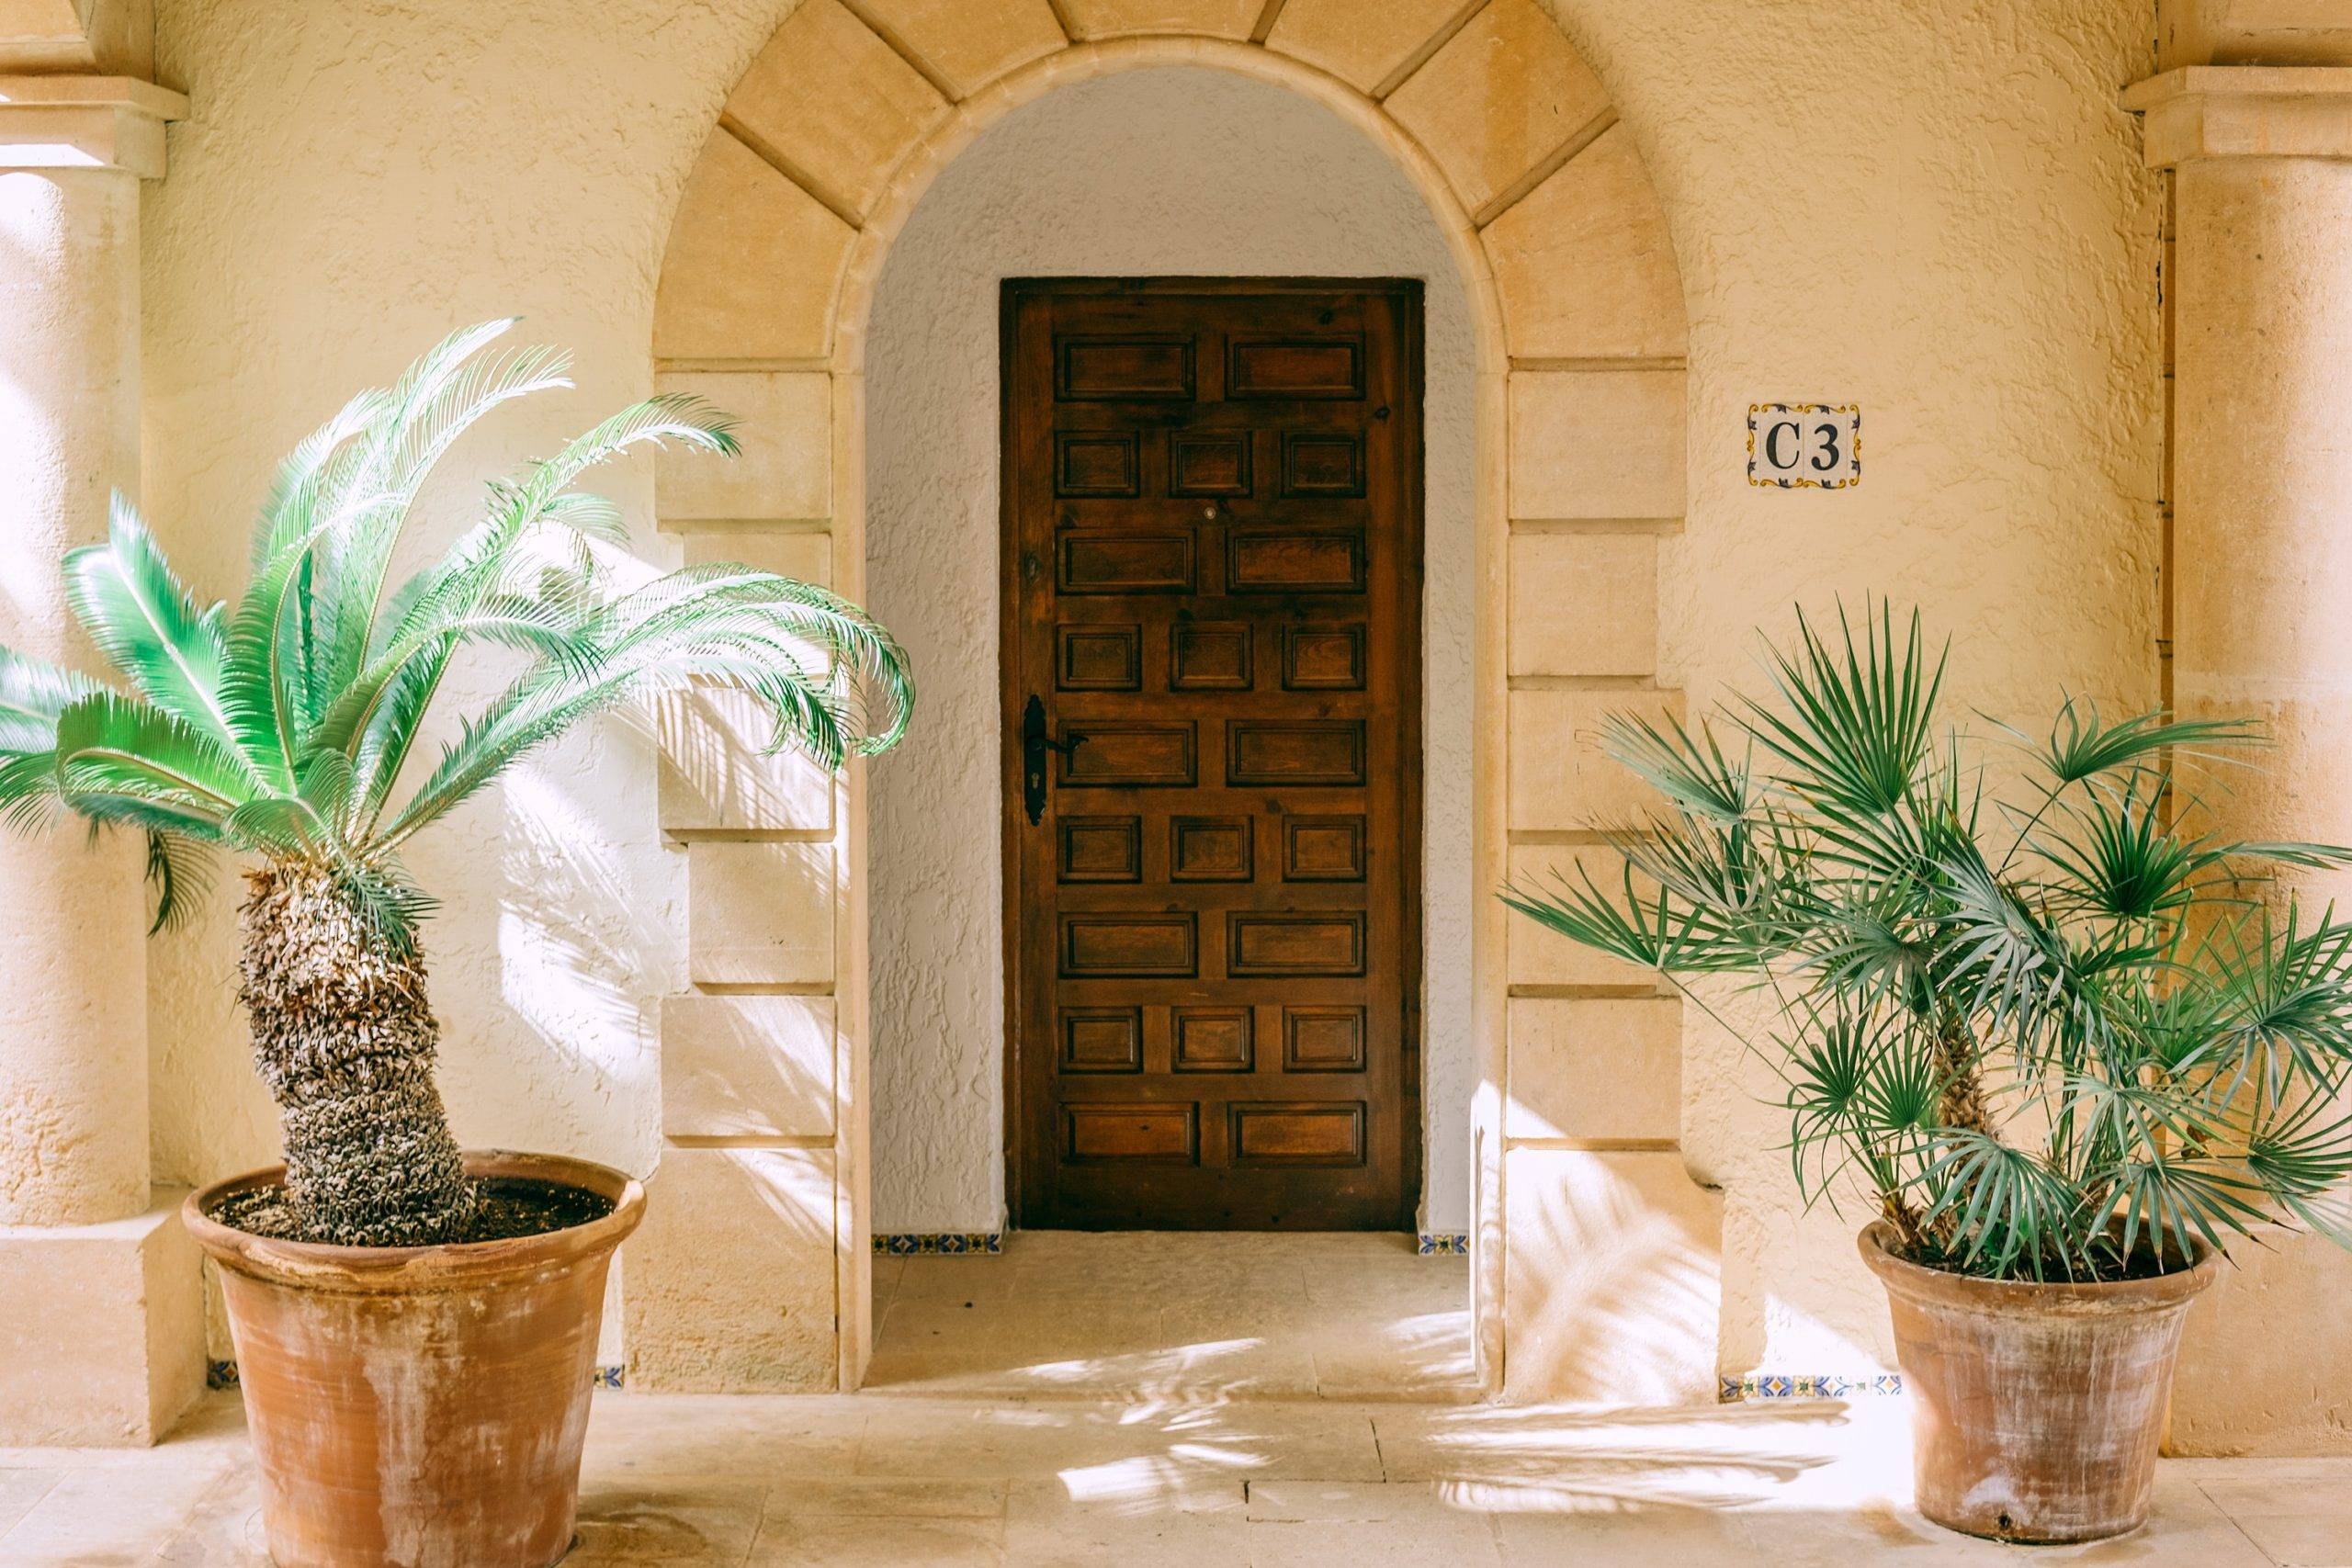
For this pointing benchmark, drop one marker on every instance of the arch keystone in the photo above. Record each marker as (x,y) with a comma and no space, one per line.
(1093,20)
(754,265)
(1584,264)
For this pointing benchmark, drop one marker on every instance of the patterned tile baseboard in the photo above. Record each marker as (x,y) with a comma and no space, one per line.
(1806,1385)
(926,1243)
(223,1374)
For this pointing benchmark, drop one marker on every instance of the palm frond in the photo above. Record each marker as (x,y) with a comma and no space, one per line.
(32,696)
(835,683)
(180,870)
(150,628)
(312,470)
(1642,925)
(1859,721)
(1690,771)
(121,758)
(2005,1207)
(2081,745)
(280,728)
(439,399)
(2183,1205)
(2042,1049)
(2121,859)
(2302,1155)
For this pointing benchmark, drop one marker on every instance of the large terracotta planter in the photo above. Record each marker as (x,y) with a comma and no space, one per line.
(2037,1409)
(420,1406)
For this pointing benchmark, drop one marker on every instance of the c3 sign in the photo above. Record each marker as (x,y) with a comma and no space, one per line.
(1805,445)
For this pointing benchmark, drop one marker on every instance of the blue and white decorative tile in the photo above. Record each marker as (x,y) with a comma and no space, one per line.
(939,1244)
(223,1374)
(1732,1388)
(1444,1244)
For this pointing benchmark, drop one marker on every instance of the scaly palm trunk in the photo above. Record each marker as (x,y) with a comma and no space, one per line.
(1963,1105)
(344,1039)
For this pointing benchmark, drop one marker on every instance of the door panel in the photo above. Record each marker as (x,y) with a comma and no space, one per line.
(1212,584)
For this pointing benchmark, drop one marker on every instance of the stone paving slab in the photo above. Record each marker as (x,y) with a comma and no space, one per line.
(908,1481)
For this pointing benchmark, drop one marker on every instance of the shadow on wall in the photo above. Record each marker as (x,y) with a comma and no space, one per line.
(1615,1286)
(575,937)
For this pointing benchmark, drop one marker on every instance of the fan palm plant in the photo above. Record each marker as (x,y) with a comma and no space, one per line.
(282,730)
(2053,1029)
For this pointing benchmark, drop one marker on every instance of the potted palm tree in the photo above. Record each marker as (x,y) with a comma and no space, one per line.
(414,1324)
(2061,1034)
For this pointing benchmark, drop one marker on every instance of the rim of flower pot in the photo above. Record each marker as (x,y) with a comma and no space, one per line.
(322,1266)
(2150,1292)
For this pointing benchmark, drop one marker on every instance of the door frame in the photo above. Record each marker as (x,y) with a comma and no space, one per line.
(1012,692)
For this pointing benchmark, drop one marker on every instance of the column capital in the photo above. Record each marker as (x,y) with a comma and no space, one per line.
(2245,111)
(85,122)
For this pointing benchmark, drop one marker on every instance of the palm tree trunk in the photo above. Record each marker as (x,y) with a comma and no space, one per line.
(344,1039)
(1963,1104)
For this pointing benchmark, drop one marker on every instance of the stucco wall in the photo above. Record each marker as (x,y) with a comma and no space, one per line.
(1946,220)
(1941,216)
(1164,171)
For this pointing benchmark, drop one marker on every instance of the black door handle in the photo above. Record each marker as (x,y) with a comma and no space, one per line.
(1034,744)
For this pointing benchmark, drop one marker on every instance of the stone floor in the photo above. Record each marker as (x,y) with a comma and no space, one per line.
(1228,1402)
(910,1481)
(1168,1316)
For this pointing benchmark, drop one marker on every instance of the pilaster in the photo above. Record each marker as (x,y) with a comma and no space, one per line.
(2258,300)
(100,1300)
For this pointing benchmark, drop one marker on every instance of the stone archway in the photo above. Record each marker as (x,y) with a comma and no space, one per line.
(1595,1272)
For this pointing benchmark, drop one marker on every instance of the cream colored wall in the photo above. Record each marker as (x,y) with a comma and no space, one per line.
(1941,216)
(1944,220)
(358,182)
(1154,171)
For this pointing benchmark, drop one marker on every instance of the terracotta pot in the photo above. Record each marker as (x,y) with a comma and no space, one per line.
(2036,1409)
(420,1406)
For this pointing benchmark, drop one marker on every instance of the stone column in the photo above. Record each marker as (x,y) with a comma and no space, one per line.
(99,1284)
(2259,286)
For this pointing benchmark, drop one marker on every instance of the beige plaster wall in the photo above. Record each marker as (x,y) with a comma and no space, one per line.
(1944,220)
(1154,171)
(1942,217)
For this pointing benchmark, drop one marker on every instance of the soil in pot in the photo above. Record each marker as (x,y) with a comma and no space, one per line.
(510,1207)
(2037,1409)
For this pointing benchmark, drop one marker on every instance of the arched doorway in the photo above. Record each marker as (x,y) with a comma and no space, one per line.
(1576,334)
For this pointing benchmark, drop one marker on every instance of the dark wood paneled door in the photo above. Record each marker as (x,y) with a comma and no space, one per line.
(1212,719)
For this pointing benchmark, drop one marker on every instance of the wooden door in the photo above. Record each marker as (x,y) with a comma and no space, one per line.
(1212,593)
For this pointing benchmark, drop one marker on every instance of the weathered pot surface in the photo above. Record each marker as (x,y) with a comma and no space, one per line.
(2037,1408)
(420,1406)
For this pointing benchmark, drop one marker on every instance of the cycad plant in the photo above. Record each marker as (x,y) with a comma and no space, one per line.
(2055,1029)
(282,730)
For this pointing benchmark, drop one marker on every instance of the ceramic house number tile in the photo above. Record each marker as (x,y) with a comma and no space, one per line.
(1805,445)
